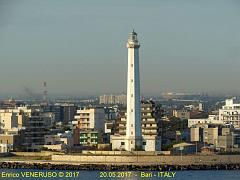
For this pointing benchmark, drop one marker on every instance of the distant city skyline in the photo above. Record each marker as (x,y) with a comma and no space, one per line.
(78,48)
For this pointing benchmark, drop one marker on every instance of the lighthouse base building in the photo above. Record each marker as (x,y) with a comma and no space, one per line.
(150,143)
(150,128)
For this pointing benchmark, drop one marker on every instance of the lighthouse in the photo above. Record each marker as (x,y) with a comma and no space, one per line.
(133,139)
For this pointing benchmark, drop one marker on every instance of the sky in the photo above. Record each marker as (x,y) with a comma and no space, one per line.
(79,47)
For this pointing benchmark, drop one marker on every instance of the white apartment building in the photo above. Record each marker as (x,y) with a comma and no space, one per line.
(13,118)
(230,113)
(212,119)
(113,99)
(90,119)
(8,120)
(107,99)
(121,99)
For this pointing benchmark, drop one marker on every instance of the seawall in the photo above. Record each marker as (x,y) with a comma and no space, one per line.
(151,160)
(128,163)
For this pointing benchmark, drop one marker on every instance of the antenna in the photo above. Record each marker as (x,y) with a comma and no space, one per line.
(45,91)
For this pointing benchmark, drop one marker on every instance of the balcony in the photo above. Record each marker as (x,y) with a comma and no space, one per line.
(84,122)
(146,116)
(149,133)
(149,122)
(83,137)
(122,133)
(150,127)
(121,127)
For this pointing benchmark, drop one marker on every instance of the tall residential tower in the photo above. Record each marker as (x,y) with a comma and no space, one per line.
(133,126)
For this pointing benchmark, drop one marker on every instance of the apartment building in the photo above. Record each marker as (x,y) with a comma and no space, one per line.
(35,129)
(212,119)
(88,121)
(113,99)
(182,113)
(230,113)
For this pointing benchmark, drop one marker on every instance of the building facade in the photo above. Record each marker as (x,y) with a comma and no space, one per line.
(212,119)
(63,112)
(205,134)
(113,99)
(150,128)
(35,130)
(89,138)
(88,121)
(230,113)
(182,113)
(9,142)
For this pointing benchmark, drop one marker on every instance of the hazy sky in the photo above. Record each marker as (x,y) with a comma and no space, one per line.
(79,47)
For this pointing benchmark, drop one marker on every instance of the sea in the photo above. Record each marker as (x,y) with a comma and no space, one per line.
(12,174)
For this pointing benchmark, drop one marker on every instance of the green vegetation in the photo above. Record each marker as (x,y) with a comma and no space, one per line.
(177,124)
(169,129)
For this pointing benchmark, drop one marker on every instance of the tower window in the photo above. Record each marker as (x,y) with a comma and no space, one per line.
(131,65)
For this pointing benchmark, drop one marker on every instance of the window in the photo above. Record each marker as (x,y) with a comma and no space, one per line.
(122,143)
(144,143)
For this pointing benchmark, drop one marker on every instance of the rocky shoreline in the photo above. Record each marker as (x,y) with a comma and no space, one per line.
(120,167)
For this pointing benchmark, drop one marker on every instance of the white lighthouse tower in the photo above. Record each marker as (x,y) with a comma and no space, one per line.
(133,127)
